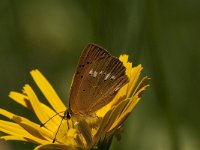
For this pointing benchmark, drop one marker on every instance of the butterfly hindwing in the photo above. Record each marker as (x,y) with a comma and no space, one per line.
(97,80)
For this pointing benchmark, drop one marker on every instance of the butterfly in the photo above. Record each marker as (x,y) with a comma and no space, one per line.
(98,78)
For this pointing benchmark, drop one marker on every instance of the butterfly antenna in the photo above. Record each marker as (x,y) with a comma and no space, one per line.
(58,130)
(42,125)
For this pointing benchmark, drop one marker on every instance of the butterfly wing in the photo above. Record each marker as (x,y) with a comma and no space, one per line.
(98,78)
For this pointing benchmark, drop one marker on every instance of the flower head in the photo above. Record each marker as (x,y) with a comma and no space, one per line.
(73,133)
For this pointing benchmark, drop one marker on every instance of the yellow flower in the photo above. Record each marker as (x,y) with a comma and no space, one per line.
(91,132)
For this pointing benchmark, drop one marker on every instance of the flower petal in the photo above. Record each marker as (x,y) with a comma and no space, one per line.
(136,95)
(135,73)
(116,113)
(86,131)
(27,139)
(101,131)
(48,91)
(24,101)
(132,102)
(17,131)
(66,135)
(31,127)
(39,111)
(21,99)
(12,129)
(55,147)
(13,137)
(124,58)
(20,138)
(143,83)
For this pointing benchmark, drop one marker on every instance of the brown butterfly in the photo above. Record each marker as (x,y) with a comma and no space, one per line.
(98,78)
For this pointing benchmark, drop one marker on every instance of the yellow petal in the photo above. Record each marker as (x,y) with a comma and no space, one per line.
(26,139)
(143,83)
(124,58)
(136,96)
(120,96)
(135,73)
(18,138)
(66,135)
(48,91)
(13,137)
(54,147)
(41,113)
(13,129)
(31,127)
(17,131)
(132,102)
(101,130)
(117,113)
(24,101)
(21,99)
(86,131)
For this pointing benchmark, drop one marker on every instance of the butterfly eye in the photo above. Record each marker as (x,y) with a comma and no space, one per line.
(88,62)
(81,76)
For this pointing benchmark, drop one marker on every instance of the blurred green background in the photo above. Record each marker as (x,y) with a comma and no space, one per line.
(164,36)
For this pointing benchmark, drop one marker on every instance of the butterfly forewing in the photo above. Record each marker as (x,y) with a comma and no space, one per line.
(98,78)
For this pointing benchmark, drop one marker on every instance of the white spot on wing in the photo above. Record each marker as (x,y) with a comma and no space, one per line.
(91,72)
(107,76)
(117,88)
(112,77)
(95,74)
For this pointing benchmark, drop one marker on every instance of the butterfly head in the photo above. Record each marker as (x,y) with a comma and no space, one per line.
(68,114)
